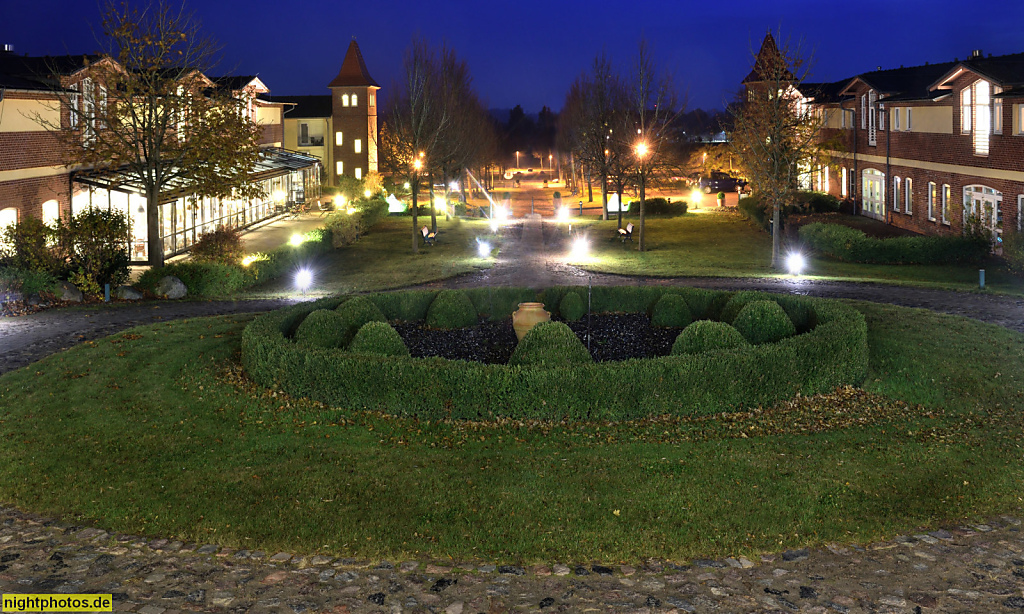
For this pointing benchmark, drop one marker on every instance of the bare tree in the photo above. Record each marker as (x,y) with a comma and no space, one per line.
(148,110)
(775,131)
(653,110)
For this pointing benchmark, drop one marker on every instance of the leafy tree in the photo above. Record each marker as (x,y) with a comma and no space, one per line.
(775,131)
(148,110)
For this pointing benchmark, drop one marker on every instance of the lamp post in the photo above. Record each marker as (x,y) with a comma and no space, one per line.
(417,164)
(517,160)
(641,155)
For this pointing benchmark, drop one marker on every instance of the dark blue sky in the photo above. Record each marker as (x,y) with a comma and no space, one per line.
(528,52)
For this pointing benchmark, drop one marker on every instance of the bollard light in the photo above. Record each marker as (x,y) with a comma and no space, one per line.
(303,280)
(296,240)
(483,248)
(795,263)
(580,248)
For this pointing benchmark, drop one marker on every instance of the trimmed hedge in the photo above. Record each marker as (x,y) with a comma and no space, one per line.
(851,245)
(355,313)
(550,344)
(707,336)
(572,308)
(378,339)
(834,353)
(324,328)
(657,207)
(451,309)
(763,322)
(201,278)
(671,310)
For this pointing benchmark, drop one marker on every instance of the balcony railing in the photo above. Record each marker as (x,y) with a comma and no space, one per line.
(313,141)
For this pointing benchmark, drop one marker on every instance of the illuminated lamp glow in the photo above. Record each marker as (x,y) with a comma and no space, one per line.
(279,196)
(251,258)
(296,240)
(366,193)
(563,213)
(494,225)
(795,263)
(696,195)
(580,248)
(303,279)
(483,248)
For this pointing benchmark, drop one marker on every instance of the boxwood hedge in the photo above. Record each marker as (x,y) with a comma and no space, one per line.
(832,352)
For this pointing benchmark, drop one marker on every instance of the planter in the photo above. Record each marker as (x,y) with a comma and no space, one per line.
(527,316)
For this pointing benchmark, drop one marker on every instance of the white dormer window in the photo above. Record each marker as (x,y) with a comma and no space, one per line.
(997,110)
(872,118)
(965,110)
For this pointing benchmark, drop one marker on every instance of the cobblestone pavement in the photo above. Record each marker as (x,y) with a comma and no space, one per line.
(977,568)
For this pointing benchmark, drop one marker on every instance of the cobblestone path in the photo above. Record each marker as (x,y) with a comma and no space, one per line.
(969,569)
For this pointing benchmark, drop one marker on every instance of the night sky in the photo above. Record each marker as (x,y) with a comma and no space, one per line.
(527,53)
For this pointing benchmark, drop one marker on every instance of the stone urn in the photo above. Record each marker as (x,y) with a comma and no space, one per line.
(527,316)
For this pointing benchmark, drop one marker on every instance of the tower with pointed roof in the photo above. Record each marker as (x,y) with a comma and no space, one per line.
(354,109)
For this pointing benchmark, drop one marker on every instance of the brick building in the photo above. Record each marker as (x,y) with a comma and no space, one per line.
(36,179)
(339,128)
(924,147)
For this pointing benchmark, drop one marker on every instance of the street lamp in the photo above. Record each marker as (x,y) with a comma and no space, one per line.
(641,153)
(517,159)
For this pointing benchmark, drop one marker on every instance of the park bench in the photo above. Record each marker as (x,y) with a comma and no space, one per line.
(625,233)
(428,237)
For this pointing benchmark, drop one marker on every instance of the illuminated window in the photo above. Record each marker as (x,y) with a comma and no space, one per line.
(982,117)
(872,117)
(897,193)
(51,212)
(997,110)
(339,167)
(359,173)
(933,196)
(344,100)
(337,139)
(355,100)
(74,110)
(908,199)
(357,144)
(864,112)
(945,203)
(842,186)
(373,99)
(8,217)
(896,123)
(965,110)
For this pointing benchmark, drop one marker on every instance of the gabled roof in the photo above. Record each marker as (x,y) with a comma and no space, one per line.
(304,106)
(353,70)
(1004,70)
(767,57)
(40,72)
(824,93)
(236,83)
(904,83)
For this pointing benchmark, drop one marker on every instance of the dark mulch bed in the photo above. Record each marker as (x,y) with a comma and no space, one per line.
(612,337)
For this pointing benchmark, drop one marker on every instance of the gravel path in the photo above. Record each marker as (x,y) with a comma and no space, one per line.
(977,568)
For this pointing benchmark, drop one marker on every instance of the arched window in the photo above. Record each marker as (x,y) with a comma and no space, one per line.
(8,217)
(355,100)
(344,100)
(986,205)
(51,212)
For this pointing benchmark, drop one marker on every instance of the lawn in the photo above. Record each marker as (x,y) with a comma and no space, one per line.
(711,243)
(383,259)
(157,431)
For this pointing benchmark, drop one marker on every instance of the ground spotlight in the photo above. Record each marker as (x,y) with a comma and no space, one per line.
(494,226)
(580,248)
(795,263)
(296,240)
(483,248)
(563,213)
(303,280)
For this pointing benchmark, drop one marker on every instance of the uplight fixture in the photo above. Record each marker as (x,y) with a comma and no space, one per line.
(795,262)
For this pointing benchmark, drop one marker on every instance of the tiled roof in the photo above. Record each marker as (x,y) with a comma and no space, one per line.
(353,70)
(304,106)
(767,56)
(38,72)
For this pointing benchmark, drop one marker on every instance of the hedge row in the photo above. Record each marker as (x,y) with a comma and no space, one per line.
(852,245)
(833,353)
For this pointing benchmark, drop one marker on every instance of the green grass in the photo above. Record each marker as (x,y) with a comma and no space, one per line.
(383,259)
(723,244)
(156,432)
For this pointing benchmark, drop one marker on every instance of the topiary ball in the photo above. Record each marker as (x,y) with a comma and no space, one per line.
(550,344)
(671,310)
(322,328)
(356,312)
(764,322)
(572,307)
(707,336)
(737,302)
(451,309)
(378,339)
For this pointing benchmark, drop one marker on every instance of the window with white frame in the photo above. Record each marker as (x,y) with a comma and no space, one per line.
(339,167)
(355,100)
(337,139)
(896,123)
(897,193)
(88,110)
(908,198)
(864,112)
(872,118)
(946,192)
(997,110)
(873,193)
(965,110)
(881,116)
(842,186)
(373,99)
(933,195)
(842,118)
(74,111)
(982,117)
(359,173)
(907,124)
(344,100)
(357,145)
(303,133)
(51,212)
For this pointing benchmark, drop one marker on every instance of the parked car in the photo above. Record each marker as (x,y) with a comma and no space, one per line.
(721,182)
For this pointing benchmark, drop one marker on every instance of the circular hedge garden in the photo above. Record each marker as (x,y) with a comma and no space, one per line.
(734,350)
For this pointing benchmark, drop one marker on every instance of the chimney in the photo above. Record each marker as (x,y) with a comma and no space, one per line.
(976,54)
(8,48)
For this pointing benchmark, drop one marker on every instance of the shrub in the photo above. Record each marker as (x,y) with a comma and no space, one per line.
(658,207)
(201,278)
(27,282)
(1013,252)
(671,310)
(572,307)
(451,309)
(95,242)
(222,246)
(550,344)
(356,312)
(764,322)
(738,301)
(705,304)
(378,339)
(834,353)
(323,328)
(707,336)
(371,212)
(851,245)
(344,228)
(816,202)
(26,246)
(753,208)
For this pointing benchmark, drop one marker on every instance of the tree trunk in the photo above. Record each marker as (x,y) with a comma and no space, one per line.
(604,195)
(643,217)
(618,191)
(590,189)
(463,180)
(433,214)
(776,263)
(155,243)
(415,217)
